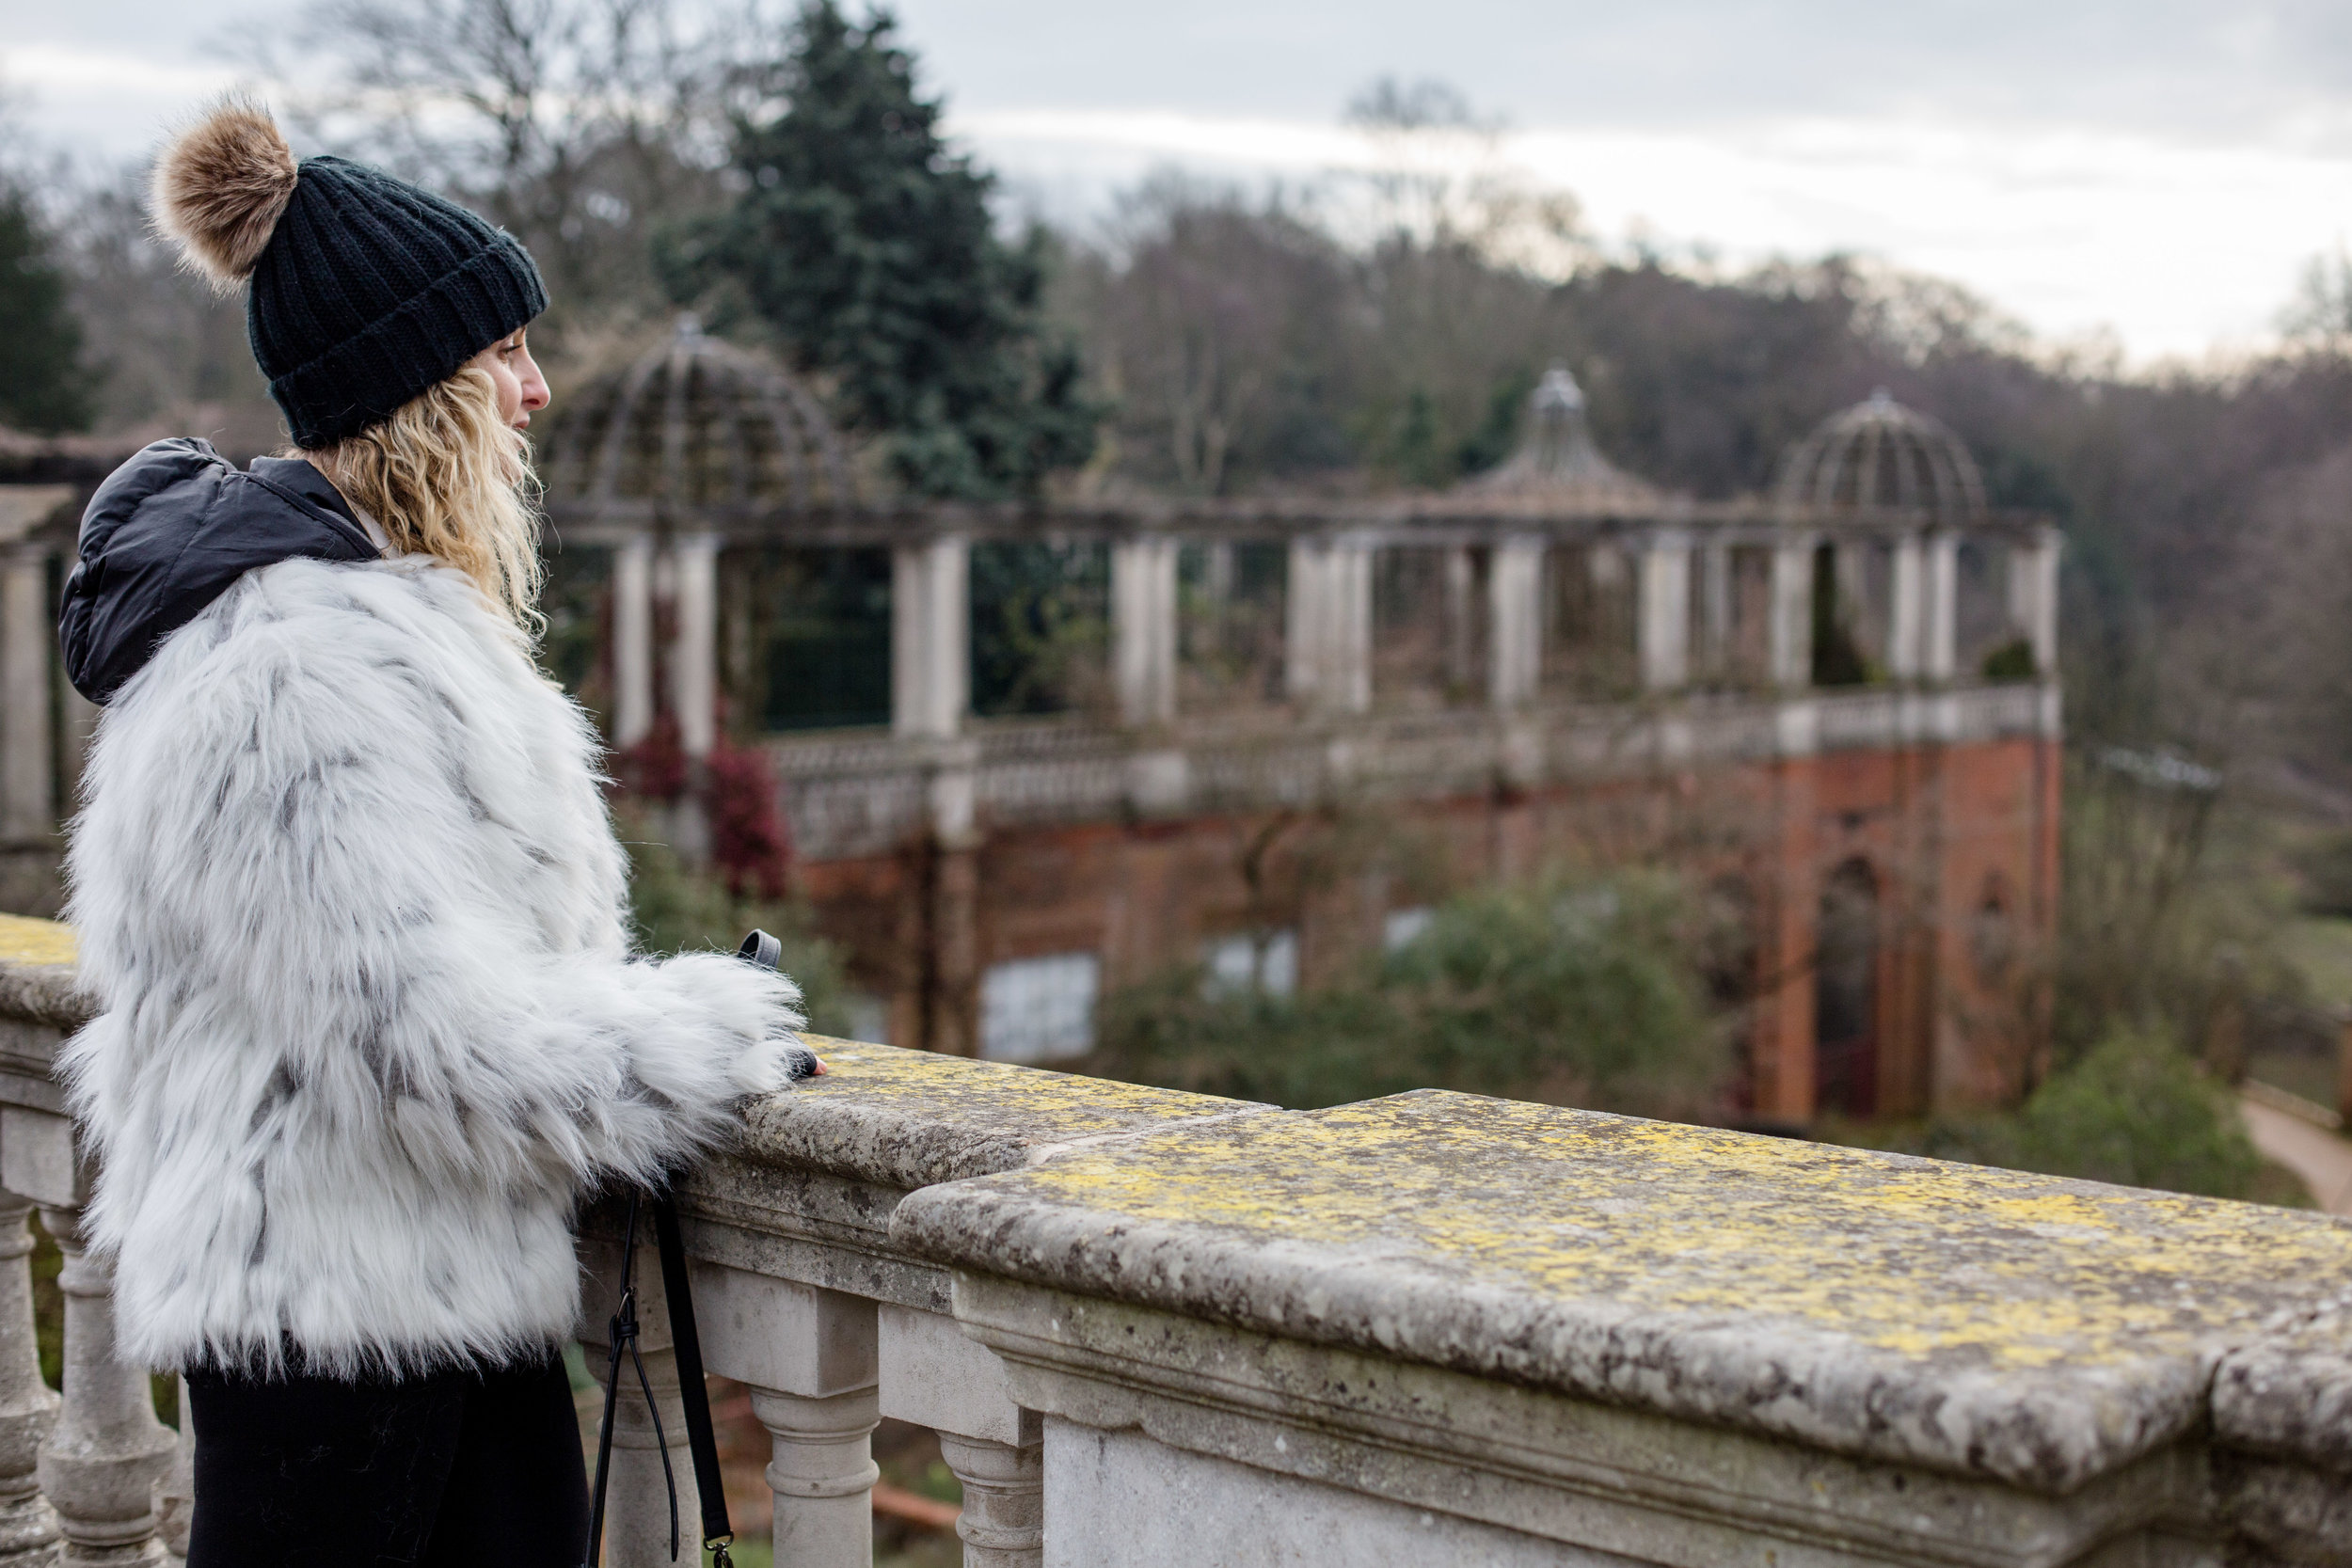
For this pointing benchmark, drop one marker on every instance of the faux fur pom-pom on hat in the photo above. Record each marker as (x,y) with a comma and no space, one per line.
(220,187)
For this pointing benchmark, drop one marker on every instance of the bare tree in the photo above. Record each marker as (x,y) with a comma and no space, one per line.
(1208,316)
(581,125)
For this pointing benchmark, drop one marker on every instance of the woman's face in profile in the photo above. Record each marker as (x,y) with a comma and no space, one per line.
(522,390)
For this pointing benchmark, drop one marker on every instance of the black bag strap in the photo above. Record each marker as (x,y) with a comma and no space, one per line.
(677,1290)
(701,1440)
(623,1333)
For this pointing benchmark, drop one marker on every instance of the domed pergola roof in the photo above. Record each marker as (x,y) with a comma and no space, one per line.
(1557,460)
(697,428)
(1880,456)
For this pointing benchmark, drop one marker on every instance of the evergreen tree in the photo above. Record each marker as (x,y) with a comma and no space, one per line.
(866,244)
(43,386)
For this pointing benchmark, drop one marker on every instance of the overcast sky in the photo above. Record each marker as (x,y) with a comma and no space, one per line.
(2159,169)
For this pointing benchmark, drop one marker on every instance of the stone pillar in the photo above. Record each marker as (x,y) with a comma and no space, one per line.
(930,681)
(1664,611)
(1461,632)
(1906,616)
(1715,609)
(175,1494)
(1515,623)
(808,1356)
(1004,1498)
(930,639)
(936,1376)
(1791,638)
(1328,652)
(632,641)
(28,808)
(1939,655)
(1302,627)
(1351,648)
(1143,628)
(103,1459)
(694,650)
(822,1474)
(637,1501)
(2033,590)
(28,1526)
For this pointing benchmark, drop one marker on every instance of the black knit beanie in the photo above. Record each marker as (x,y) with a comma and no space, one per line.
(365,292)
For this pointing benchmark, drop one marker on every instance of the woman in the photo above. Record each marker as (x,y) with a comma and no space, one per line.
(349,894)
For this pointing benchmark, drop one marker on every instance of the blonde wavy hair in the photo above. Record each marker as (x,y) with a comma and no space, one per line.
(447,477)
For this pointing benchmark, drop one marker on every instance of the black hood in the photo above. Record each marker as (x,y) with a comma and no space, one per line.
(168,532)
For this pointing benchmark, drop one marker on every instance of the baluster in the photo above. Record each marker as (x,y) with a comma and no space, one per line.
(175,1494)
(808,1357)
(1004,1497)
(28,1525)
(637,1505)
(934,1376)
(104,1456)
(822,1474)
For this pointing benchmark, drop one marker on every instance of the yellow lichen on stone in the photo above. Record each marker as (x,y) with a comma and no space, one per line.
(39,942)
(877,1074)
(1915,1258)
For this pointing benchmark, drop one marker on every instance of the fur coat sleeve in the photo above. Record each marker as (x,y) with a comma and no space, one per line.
(348,892)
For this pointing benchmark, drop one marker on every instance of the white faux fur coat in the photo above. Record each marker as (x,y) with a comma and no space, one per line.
(349,894)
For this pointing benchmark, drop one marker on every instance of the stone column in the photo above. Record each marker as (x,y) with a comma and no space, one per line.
(1003,1498)
(102,1459)
(694,651)
(2033,590)
(1664,606)
(809,1358)
(1715,608)
(1515,623)
(1328,653)
(930,639)
(28,1526)
(1461,639)
(1939,657)
(1351,626)
(1791,638)
(29,809)
(930,681)
(632,641)
(1143,628)
(822,1474)
(175,1496)
(1302,622)
(1906,616)
(934,1375)
(637,1502)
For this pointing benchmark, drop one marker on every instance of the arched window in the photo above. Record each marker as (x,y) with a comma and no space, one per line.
(1845,993)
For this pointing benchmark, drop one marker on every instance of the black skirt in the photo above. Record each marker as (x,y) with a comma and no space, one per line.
(448,1469)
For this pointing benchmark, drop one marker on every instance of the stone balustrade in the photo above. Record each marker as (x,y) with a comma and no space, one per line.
(1154,1328)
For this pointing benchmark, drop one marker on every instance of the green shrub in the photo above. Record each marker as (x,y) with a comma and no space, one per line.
(2011,662)
(2137,1110)
(677,910)
(1575,992)
(2326,873)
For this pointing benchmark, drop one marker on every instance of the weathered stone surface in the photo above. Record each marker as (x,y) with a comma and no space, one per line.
(1573,1471)
(1983,1322)
(2289,1392)
(908,1118)
(36,976)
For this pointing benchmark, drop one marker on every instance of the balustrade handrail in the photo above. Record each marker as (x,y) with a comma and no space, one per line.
(1900,1359)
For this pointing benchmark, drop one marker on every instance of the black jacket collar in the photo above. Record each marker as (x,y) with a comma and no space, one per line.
(168,532)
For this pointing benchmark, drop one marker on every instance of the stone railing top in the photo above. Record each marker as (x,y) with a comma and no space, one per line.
(1976,1320)
(37,979)
(909,1118)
